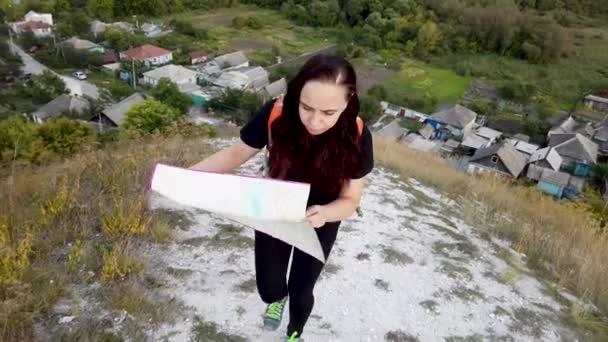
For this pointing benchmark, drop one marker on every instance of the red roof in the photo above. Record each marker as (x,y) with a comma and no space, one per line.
(33,25)
(145,51)
(197,53)
(109,57)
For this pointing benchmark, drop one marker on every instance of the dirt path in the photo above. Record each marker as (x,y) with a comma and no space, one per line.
(409,269)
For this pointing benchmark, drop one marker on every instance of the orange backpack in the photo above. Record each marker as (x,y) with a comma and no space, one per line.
(277,110)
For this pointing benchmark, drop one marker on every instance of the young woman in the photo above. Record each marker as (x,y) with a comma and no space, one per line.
(317,139)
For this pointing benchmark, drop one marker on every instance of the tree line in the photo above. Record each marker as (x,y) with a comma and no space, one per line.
(528,29)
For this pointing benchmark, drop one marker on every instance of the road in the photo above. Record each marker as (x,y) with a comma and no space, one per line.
(76,87)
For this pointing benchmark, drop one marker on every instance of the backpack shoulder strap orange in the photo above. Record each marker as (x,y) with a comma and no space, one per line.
(277,110)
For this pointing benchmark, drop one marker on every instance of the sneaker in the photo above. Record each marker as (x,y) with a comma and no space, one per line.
(294,338)
(274,314)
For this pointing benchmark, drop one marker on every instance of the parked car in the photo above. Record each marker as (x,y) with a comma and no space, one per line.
(79,75)
(24,76)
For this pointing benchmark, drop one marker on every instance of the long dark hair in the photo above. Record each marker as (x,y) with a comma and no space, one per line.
(326,160)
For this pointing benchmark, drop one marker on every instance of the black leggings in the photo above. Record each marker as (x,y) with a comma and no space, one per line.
(271,261)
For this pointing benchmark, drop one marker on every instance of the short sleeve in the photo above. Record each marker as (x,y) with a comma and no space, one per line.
(255,132)
(367,149)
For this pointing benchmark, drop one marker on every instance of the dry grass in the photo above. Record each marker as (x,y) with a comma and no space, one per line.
(560,240)
(87,214)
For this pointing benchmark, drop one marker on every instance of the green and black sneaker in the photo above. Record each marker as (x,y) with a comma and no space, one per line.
(295,337)
(274,314)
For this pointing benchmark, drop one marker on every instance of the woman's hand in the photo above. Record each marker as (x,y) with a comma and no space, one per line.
(316,216)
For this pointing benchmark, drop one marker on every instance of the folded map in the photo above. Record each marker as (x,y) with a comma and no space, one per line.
(274,207)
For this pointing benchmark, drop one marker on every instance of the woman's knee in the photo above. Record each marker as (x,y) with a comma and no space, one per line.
(271,288)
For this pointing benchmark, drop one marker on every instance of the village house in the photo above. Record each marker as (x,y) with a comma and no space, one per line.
(109,57)
(600,137)
(150,55)
(482,137)
(524,147)
(60,105)
(114,115)
(393,131)
(232,80)
(33,16)
(38,28)
(546,158)
(98,27)
(198,56)
(398,111)
(175,73)
(578,152)
(83,44)
(596,102)
(40,24)
(569,125)
(455,121)
(556,183)
(502,158)
(419,143)
(232,61)
(123,25)
(274,90)
(151,30)
(257,77)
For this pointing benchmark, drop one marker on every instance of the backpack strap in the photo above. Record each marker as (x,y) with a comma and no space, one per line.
(277,110)
(360,125)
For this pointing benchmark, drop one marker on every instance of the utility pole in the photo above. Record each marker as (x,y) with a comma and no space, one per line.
(133,72)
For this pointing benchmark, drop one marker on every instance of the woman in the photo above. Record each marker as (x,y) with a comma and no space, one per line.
(316,140)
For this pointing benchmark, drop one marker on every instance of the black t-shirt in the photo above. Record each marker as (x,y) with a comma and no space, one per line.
(255,134)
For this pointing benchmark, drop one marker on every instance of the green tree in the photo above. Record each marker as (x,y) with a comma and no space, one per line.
(41,88)
(119,39)
(28,39)
(428,37)
(324,13)
(168,93)
(103,9)
(151,116)
(236,105)
(370,109)
(51,83)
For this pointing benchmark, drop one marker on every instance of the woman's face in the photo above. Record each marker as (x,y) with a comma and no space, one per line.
(321,104)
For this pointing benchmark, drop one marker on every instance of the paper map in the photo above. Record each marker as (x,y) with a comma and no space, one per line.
(274,207)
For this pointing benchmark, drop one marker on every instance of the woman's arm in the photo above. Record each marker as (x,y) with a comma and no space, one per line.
(227,159)
(340,209)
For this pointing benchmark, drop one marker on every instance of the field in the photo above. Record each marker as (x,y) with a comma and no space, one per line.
(291,40)
(558,85)
(420,80)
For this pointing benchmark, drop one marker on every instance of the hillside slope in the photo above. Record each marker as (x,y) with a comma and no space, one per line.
(409,269)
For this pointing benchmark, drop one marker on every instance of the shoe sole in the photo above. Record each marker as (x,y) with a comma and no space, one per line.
(271,325)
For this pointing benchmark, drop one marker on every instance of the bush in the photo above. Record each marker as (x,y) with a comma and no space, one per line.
(185,27)
(370,109)
(250,22)
(236,105)
(168,93)
(119,90)
(151,116)
(66,137)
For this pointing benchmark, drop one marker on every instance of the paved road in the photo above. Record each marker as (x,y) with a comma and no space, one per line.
(76,87)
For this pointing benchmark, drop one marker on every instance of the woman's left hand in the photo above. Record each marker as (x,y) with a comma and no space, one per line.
(316,216)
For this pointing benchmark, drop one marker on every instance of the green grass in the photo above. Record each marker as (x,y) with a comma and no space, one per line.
(291,40)
(558,85)
(436,86)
